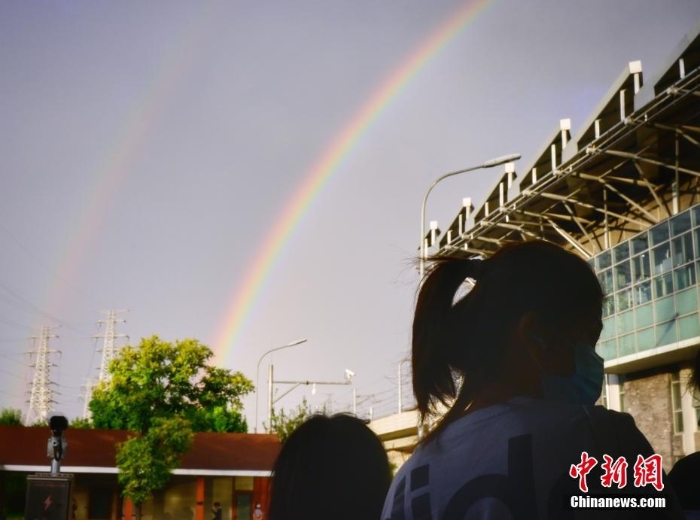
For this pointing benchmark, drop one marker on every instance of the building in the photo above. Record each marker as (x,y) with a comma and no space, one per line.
(231,468)
(624,192)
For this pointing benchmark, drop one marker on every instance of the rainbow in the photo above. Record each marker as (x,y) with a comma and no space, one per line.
(100,196)
(315,179)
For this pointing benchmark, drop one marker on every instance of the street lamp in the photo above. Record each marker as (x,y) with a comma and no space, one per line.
(488,164)
(257,372)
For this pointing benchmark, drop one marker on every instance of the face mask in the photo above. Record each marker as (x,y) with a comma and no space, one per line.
(584,386)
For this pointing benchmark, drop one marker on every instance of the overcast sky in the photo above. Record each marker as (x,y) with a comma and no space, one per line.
(148,150)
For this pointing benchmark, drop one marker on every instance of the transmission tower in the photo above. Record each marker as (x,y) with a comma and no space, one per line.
(88,388)
(40,395)
(109,349)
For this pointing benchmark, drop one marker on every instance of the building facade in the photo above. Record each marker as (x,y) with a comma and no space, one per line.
(230,468)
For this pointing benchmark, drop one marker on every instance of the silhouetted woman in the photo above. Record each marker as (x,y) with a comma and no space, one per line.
(512,365)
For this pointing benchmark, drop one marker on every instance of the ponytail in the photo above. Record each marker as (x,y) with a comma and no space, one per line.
(433,332)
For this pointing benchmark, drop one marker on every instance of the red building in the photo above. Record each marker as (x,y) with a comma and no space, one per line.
(230,468)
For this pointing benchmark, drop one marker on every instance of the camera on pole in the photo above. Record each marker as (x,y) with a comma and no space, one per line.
(50,495)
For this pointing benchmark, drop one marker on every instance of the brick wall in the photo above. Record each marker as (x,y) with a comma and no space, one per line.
(648,400)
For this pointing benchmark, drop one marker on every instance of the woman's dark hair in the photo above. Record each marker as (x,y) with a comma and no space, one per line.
(458,345)
(694,381)
(330,467)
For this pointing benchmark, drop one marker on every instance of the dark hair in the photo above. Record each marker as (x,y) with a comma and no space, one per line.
(330,467)
(458,346)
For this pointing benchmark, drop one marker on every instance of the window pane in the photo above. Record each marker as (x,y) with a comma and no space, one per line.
(644,316)
(682,250)
(684,277)
(608,306)
(640,243)
(665,309)
(678,421)
(646,339)
(680,223)
(696,215)
(606,281)
(659,233)
(697,243)
(623,275)
(608,349)
(640,267)
(604,260)
(621,252)
(663,285)
(666,333)
(624,300)
(642,293)
(689,327)
(625,322)
(626,345)
(608,329)
(662,258)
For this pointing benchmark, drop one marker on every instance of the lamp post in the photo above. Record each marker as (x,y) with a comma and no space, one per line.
(488,164)
(257,372)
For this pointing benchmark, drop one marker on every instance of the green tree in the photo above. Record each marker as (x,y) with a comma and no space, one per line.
(158,379)
(164,391)
(10,417)
(81,423)
(284,423)
(146,461)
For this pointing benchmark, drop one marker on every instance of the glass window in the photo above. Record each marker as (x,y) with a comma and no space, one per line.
(644,316)
(627,345)
(665,309)
(604,260)
(640,243)
(606,281)
(646,339)
(608,349)
(623,275)
(663,285)
(682,248)
(697,243)
(621,252)
(624,300)
(640,267)
(608,329)
(666,333)
(689,327)
(684,277)
(696,215)
(608,306)
(662,258)
(687,301)
(680,223)
(642,293)
(659,233)
(625,322)
(676,403)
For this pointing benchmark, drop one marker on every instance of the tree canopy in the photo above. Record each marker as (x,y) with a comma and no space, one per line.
(284,423)
(10,417)
(159,379)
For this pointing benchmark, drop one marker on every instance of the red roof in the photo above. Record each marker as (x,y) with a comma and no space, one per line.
(24,446)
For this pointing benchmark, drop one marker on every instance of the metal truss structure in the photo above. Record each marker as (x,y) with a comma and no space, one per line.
(636,162)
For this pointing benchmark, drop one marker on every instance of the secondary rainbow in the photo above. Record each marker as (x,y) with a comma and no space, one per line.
(315,179)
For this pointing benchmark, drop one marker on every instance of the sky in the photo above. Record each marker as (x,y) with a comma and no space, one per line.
(251,173)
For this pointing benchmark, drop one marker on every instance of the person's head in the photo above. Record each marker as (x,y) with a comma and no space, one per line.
(217,505)
(532,302)
(257,506)
(330,467)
